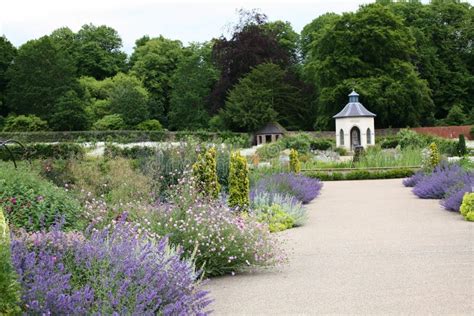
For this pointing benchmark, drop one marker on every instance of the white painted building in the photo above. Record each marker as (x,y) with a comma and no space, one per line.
(354,125)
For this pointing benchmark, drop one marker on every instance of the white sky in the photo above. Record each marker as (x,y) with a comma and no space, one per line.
(185,20)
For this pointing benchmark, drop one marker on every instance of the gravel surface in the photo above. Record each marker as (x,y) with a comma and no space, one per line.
(369,247)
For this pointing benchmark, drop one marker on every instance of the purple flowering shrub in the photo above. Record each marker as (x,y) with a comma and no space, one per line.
(453,199)
(219,240)
(110,271)
(414,179)
(443,178)
(301,187)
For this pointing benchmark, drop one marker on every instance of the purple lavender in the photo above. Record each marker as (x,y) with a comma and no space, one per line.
(301,187)
(453,200)
(414,179)
(111,271)
(444,179)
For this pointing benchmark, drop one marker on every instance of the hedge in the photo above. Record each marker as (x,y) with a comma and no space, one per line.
(122,136)
(362,174)
(42,151)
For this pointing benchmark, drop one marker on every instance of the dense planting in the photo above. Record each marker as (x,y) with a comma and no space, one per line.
(448,182)
(113,270)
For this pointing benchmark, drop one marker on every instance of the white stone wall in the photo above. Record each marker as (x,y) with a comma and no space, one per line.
(346,124)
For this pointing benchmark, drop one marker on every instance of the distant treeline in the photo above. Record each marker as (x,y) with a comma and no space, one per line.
(411,63)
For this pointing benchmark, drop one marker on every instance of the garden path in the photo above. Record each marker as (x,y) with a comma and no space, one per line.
(369,247)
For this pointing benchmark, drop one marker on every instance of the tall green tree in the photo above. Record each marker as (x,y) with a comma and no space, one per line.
(129,99)
(260,97)
(40,75)
(191,85)
(98,52)
(370,50)
(7,55)
(69,114)
(154,62)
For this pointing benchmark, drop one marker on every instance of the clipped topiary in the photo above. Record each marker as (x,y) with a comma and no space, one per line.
(9,287)
(461,148)
(205,173)
(239,184)
(467,207)
(295,164)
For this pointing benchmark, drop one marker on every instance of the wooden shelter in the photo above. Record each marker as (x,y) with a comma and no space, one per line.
(270,133)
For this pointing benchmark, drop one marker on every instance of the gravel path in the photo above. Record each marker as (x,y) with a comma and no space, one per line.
(369,247)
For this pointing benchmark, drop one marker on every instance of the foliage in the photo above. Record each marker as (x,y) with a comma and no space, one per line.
(409,138)
(301,187)
(24,123)
(150,125)
(191,85)
(362,175)
(40,75)
(107,271)
(467,207)
(288,204)
(110,122)
(97,50)
(154,63)
(275,217)
(441,181)
(43,151)
(455,116)
(295,164)
(33,203)
(129,99)
(239,186)
(70,114)
(124,136)
(250,45)
(205,173)
(7,55)
(461,148)
(434,157)
(113,180)
(9,287)
(219,240)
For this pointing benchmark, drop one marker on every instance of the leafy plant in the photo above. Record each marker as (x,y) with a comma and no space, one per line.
(467,207)
(150,125)
(461,148)
(33,203)
(24,123)
(434,157)
(112,270)
(295,164)
(275,217)
(9,287)
(289,204)
(239,186)
(205,173)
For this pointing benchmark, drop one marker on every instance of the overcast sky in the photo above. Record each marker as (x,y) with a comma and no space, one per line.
(186,20)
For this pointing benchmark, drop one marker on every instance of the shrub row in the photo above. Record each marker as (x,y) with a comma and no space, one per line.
(122,136)
(362,175)
(42,151)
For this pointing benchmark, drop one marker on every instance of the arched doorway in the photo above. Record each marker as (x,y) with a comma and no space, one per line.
(355,137)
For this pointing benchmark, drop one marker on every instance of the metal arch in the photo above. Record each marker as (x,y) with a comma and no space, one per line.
(5,143)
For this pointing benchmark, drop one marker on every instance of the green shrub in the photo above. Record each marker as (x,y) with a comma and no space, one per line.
(24,123)
(300,142)
(472,132)
(114,180)
(269,151)
(362,174)
(462,149)
(320,144)
(110,122)
(150,125)
(133,152)
(33,203)
(276,218)
(9,287)
(295,164)
(409,138)
(467,207)
(42,151)
(205,173)
(239,186)
(389,142)
(341,151)
(434,157)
